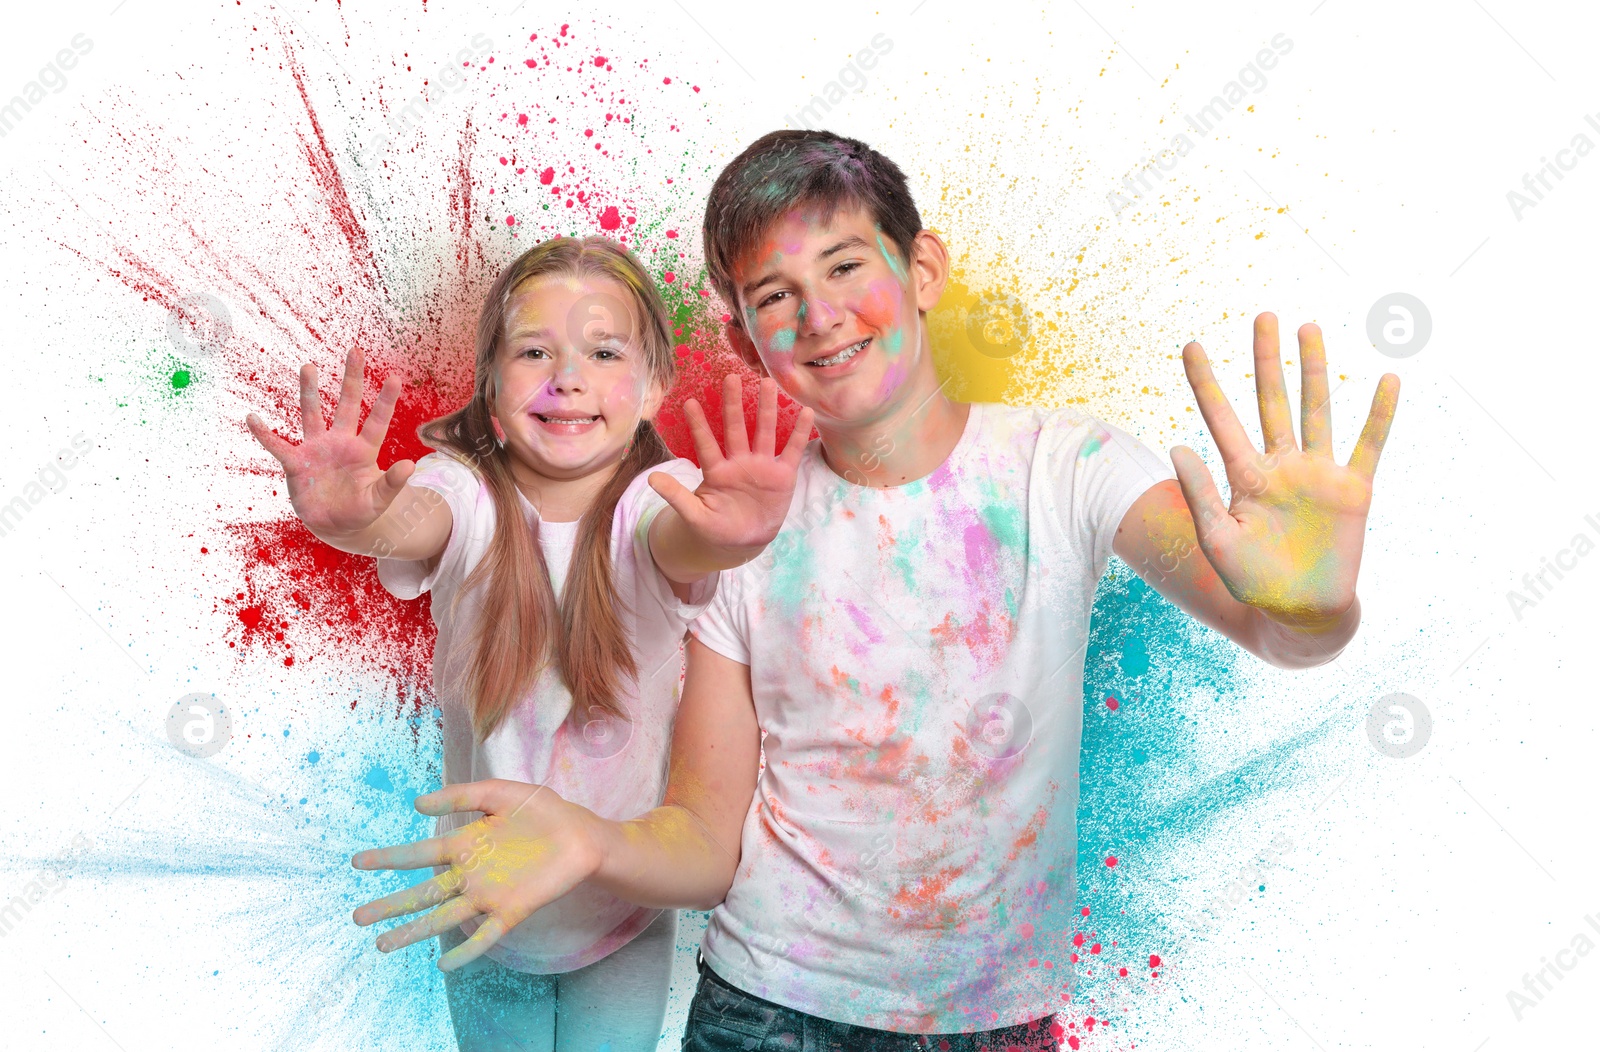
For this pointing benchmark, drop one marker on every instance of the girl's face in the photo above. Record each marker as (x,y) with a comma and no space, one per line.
(570,382)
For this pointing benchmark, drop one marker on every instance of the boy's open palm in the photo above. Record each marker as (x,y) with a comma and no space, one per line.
(1289,541)
(745,494)
(528,849)
(334,480)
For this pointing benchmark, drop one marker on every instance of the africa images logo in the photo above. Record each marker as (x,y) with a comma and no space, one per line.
(52,76)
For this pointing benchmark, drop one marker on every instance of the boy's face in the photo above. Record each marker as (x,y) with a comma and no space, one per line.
(834,314)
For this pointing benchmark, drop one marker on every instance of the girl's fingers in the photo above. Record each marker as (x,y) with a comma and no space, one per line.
(679,498)
(1211,519)
(766,417)
(391,482)
(1277,426)
(377,425)
(348,409)
(425,895)
(1364,461)
(488,933)
(310,402)
(734,438)
(795,448)
(1316,416)
(705,443)
(280,448)
(1221,421)
(451,915)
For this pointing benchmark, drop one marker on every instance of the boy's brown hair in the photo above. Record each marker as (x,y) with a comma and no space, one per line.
(785,169)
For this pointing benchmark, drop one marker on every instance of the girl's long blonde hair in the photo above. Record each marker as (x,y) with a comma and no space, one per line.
(521,628)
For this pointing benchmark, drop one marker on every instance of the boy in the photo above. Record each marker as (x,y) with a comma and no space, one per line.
(907,655)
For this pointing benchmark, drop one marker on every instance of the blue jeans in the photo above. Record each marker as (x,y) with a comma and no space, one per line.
(723,1018)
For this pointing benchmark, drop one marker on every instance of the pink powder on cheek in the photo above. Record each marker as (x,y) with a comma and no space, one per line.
(880,307)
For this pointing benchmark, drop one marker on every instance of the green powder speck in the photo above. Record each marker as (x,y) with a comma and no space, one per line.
(180,379)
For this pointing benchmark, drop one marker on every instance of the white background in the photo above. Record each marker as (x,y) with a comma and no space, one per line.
(1424,888)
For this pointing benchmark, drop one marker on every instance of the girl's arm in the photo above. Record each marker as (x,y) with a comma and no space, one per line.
(335,484)
(743,498)
(532,847)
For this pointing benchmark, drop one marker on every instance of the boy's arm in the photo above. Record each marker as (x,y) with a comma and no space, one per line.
(1157,539)
(743,496)
(1275,569)
(531,847)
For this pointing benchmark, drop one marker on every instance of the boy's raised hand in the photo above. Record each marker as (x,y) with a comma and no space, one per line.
(1289,542)
(334,480)
(741,503)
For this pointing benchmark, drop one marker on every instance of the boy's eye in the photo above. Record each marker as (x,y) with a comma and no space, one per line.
(847,267)
(771,299)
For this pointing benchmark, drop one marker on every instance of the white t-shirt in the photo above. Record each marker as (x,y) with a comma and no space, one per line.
(617,770)
(916,656)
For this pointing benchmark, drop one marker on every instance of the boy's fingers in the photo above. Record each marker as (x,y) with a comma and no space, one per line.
(310,402)
(1277,426)
(1210,514)
(766,417)
(434,851)
(795,448)
(450,915)
(1316,416)
(280,448)
(348,408)
(426,895)
(488,933)
(705,443)
(734,438)
(1221,421)
(1364,461)
(492,796)
(377,425)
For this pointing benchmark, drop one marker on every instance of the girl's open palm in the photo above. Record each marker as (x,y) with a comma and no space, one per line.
(334,480)
(745,493)
(1289,541)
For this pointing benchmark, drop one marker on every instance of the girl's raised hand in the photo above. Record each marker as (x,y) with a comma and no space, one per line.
(745,492)
(334,480)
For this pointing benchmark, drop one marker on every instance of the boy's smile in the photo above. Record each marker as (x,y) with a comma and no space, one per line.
(834,315)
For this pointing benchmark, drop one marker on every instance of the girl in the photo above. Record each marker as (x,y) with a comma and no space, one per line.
(567,551)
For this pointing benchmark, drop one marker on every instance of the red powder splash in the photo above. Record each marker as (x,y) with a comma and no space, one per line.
(338,275)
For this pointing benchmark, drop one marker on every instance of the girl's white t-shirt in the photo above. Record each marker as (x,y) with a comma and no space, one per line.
(618,770)
(916,657)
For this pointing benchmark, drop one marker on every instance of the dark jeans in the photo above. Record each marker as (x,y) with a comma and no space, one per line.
(723,1018)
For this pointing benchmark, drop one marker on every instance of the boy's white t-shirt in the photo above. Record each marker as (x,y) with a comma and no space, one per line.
(916,656)
(617,770)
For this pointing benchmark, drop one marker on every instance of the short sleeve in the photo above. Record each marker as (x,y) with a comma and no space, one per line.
(636,511)
(463,491)
(1098,471)
(725,624)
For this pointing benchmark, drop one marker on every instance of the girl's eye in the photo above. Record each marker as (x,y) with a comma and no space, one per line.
(606,354)
(535,352)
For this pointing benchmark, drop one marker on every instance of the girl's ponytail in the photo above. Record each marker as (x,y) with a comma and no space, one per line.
(521,628)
